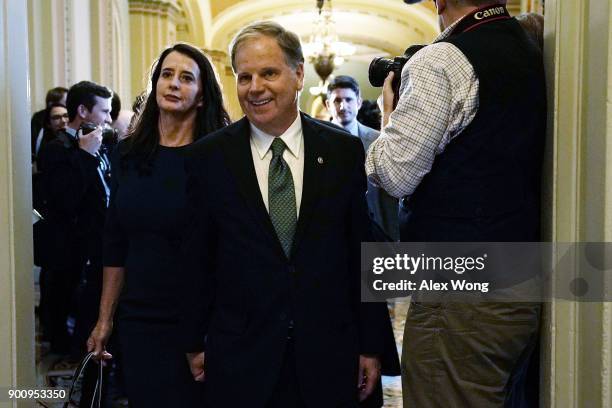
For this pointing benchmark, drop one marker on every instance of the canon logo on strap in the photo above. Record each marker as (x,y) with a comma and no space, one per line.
(489,13)
(481,17)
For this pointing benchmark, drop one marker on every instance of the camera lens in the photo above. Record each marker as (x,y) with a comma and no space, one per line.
(378,71)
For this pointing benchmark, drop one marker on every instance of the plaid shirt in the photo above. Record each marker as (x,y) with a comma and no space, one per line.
(438,100)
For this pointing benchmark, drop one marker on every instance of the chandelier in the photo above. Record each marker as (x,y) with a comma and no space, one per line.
(323,50)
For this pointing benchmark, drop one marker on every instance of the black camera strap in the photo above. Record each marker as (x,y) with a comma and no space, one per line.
(481,16)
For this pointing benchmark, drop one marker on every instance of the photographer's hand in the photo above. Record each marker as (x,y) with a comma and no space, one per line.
(387,99)
(90,142)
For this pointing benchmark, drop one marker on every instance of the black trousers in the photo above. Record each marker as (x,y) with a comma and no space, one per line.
(155,367)
(57,291)
(287,392)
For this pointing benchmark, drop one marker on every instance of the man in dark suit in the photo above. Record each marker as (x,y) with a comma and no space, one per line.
(279,211)
(75,178)
(74,188)
(344,102)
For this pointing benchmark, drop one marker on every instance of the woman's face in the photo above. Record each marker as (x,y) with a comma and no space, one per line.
(179,88)
(58,118)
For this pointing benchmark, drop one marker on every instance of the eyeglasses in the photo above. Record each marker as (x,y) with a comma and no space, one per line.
(58,117)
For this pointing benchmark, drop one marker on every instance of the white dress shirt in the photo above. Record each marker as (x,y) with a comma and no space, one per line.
(293,155)
(438,100)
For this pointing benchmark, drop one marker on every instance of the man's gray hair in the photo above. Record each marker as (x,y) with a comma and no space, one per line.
(288,41)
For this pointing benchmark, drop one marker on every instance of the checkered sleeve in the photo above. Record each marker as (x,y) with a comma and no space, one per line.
(438,100)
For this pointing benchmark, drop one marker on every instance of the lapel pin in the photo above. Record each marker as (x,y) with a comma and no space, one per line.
(320,160)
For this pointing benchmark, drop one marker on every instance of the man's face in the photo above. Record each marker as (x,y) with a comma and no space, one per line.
(99,114)
(267,86)
(58,118)
(343,104)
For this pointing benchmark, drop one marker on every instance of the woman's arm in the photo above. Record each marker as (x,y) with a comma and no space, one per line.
(111,289)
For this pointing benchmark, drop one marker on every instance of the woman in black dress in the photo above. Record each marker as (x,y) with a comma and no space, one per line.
(145,220)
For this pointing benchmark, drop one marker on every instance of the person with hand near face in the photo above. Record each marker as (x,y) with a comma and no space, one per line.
(73,186)
(75,183)
(142,281)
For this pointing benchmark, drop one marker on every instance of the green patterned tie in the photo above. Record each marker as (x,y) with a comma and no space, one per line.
(281,196)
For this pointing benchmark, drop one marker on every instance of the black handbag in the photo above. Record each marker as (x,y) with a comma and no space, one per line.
(96,399)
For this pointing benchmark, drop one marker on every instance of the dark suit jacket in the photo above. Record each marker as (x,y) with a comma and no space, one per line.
(383,208)
(36,124)
(245,291)
(74,203)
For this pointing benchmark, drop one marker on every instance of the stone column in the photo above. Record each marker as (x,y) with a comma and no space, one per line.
(110,37)
(16,277)
(50,48)
(223,66)
(577,341)
(152,28)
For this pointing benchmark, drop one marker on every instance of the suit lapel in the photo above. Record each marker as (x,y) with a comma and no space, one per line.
(365,136)
(237,151)
(315,155)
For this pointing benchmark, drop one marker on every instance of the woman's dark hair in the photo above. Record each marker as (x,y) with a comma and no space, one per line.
(115,107)
(143,140)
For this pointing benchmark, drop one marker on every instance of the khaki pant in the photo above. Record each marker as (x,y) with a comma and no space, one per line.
(467,354)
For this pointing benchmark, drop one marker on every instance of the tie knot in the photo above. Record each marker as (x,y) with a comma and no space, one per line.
(278,147)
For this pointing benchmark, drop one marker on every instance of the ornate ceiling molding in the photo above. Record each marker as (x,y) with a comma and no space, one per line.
(169,8)
(400,25)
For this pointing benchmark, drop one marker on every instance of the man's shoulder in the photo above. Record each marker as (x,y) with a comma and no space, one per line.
(440,54)
(331,132)
(216,138)
(339,142)
(61,144)
(367,131)
(210,146)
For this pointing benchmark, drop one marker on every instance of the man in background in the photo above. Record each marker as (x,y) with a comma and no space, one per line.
(54,95)
(75,171)
(343,102)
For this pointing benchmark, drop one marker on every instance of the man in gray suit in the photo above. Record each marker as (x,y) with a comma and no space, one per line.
(343,102)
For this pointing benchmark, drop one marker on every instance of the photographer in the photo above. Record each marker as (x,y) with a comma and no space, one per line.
(463,150)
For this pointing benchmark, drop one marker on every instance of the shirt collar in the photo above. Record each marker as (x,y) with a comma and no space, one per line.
(72,132)
(292,138)
(446,33)
(353,128)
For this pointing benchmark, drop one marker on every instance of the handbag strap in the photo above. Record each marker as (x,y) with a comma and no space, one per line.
(96,400)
